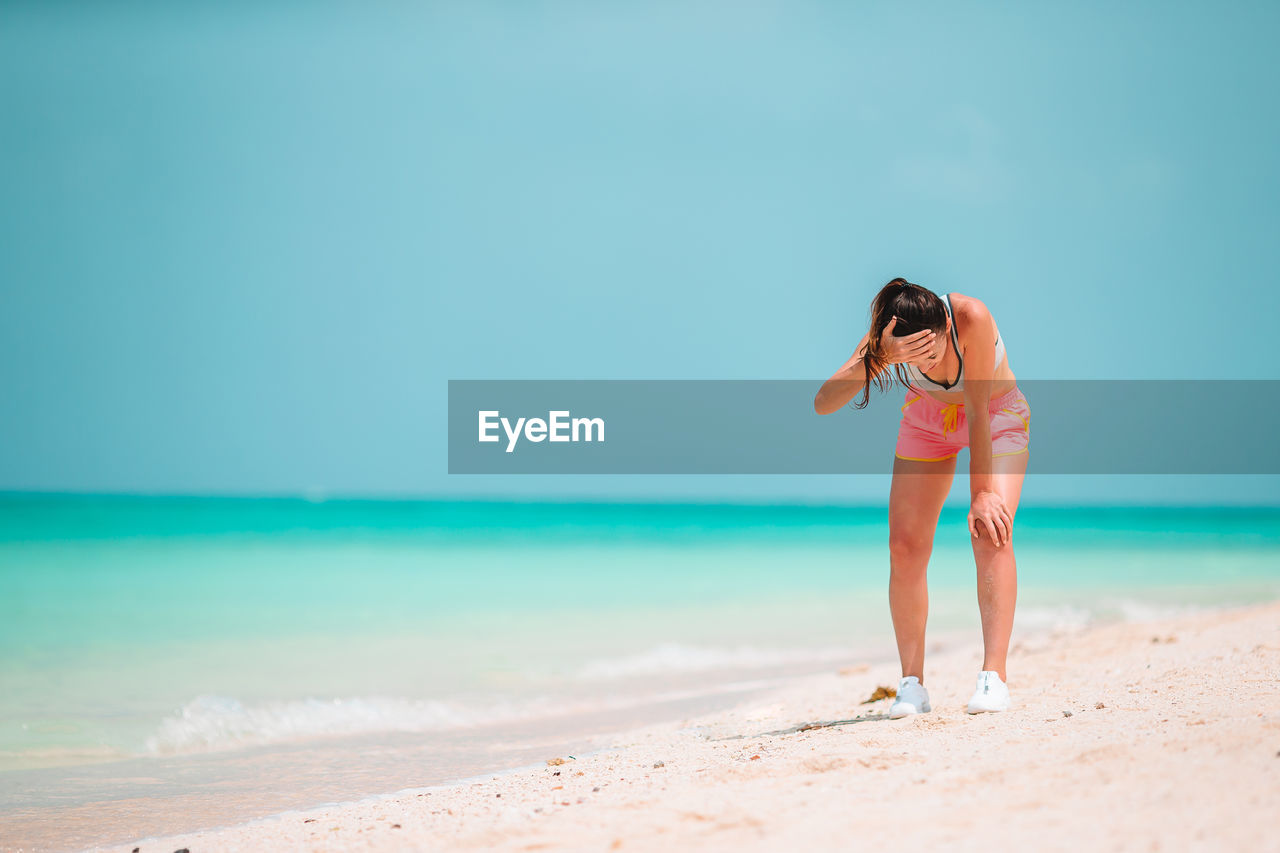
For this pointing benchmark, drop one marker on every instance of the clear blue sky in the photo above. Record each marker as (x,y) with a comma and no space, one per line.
(244,245)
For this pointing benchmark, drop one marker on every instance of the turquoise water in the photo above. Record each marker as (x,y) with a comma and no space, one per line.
(134,627)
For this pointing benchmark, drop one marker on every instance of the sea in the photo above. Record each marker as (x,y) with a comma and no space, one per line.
(171,663)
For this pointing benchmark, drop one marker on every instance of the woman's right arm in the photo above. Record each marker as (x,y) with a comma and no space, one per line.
(845,384)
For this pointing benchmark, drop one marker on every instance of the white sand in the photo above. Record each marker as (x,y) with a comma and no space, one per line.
(1170,745)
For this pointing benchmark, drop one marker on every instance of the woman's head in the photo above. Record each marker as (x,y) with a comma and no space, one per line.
(916,309)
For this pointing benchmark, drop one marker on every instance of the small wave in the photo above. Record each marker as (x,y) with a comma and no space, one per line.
(1070,618)
(1065,618)
(218,722)
(1147,611)
(670,658)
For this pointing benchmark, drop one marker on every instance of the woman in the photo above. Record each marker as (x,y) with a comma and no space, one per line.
(949,353)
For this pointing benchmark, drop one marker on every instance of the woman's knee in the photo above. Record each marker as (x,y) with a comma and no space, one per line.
(909,548)
(985,548)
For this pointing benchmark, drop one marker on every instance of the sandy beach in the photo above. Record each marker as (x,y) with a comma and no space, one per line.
(1154,736)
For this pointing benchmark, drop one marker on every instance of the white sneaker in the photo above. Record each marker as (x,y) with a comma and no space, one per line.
(992,694)
(912,698)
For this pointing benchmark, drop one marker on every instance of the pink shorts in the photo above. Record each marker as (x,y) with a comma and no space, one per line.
(932,430)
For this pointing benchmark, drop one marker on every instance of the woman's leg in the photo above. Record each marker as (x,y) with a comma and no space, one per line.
(997,568)
(915,501)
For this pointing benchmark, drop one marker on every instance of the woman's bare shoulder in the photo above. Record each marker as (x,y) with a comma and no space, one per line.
(971,315)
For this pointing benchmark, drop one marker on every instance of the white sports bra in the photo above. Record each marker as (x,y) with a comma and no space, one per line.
(915,376)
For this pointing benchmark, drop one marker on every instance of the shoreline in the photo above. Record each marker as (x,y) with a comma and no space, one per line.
(1123,734)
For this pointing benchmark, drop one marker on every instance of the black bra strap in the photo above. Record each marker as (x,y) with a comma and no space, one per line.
(956,340)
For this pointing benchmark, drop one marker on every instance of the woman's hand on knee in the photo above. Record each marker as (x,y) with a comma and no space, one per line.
(988,512)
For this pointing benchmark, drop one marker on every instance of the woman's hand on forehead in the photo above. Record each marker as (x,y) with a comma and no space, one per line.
(908,348)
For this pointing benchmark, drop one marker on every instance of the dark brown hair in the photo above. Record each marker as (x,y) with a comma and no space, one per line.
(917,308)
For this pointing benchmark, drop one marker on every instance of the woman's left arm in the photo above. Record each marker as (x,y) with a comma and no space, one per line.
(987,510)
